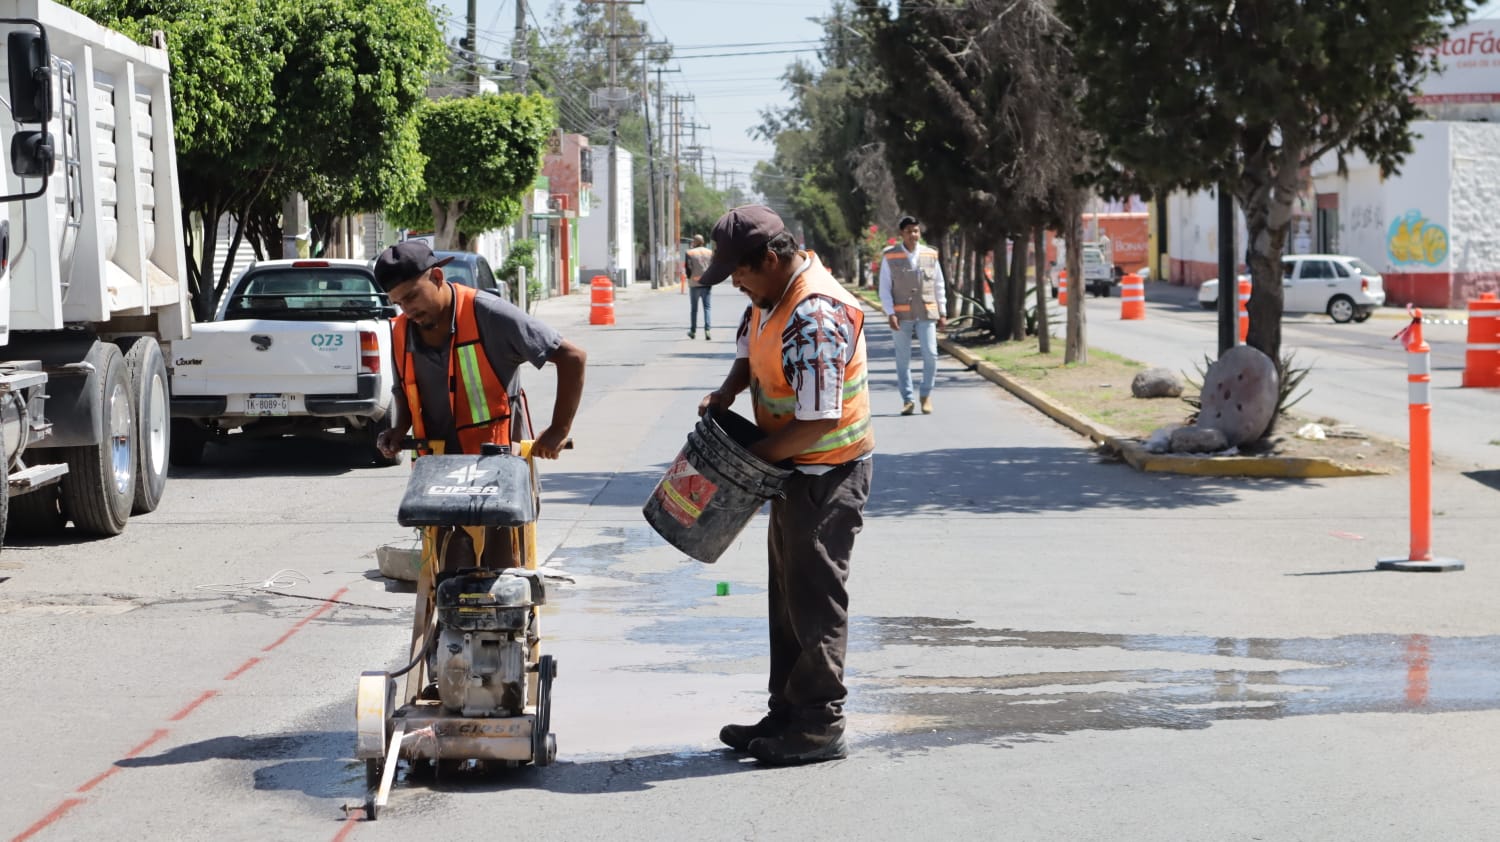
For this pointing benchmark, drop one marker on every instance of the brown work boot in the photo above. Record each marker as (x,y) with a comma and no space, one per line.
(798,747)
(908,408)
(927,406)
(739,737)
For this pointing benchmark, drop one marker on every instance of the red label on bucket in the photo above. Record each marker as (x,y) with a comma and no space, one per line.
(684,492)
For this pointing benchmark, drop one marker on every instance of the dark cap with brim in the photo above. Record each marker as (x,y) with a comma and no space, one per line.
(737,234)
(405,261)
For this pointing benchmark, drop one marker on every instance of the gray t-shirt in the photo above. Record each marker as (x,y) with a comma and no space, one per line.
(509,336)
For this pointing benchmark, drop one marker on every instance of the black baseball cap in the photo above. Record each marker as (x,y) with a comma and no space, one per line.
(405,261)
(735,235)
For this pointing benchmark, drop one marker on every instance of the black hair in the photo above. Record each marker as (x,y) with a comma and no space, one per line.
(783,245)
(905,221)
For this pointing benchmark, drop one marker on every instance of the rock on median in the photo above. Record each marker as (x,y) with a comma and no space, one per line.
(1156,383)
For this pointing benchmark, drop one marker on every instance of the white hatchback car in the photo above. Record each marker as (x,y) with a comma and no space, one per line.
(1344,287)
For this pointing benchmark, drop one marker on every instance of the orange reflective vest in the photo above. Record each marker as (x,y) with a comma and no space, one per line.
(772,391)
(477,397)
(912,286)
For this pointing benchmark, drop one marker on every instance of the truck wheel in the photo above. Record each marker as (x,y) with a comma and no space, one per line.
(188,439)
(148,383)
(4,487)
(364,438)
(99,488)
(37,514)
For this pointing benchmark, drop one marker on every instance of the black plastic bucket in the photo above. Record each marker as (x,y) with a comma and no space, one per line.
(713,488)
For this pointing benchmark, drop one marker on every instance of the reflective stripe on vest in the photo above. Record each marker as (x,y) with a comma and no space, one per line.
(775,399)
(477,399)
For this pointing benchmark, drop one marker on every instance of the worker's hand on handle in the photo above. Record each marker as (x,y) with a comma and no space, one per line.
(942,323)
(894,322)
(389,442)
(714,401)
(551,443)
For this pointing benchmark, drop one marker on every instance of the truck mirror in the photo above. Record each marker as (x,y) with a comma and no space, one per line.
(30,76)
(31,154)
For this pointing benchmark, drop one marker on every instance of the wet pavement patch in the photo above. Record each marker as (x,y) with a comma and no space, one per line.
(1259,678)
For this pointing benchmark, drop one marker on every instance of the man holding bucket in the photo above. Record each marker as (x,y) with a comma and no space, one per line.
(801,353)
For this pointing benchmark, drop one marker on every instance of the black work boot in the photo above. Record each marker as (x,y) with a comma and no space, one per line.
(739,737)
(797,747)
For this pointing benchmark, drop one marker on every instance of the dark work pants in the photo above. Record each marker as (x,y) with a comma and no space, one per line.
(811,541)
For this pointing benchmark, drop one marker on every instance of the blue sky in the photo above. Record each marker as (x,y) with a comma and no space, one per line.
(730,92)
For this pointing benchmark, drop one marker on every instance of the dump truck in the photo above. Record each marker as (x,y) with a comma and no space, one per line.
(93,279)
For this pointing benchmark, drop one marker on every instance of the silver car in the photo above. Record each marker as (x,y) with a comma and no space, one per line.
(1344,287)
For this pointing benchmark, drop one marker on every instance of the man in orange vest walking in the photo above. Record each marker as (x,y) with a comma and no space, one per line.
(458,354)
(696,260)
(801,354)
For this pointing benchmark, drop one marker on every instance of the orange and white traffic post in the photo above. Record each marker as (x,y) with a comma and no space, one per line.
(1132,297)
(1062,288)
(1242,313)
(1419,414)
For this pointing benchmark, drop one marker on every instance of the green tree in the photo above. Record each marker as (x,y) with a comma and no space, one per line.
(272,97)
(225,59)
(349,91)
(1247,94)
(483,153)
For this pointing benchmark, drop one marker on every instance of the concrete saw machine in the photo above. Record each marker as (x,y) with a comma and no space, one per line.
(477,686)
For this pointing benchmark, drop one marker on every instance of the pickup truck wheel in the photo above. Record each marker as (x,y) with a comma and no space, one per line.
(37,514)
(148,381)
(364,439)
(99,488)
(188,438)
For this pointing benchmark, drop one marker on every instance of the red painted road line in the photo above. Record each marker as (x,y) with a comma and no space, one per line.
(156,736)
(48,819)
(192,706)
(242,669)
(1350,536)
(327,604)
(69,803)
(350,825)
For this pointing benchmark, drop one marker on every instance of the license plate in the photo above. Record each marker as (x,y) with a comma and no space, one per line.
(268,405)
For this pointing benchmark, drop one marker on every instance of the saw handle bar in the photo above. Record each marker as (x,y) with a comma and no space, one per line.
(413,443)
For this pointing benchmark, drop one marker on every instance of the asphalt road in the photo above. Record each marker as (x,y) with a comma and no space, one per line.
(1044,645)
(1358,372)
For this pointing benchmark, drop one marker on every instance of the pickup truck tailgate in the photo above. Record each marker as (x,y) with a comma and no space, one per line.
(262,356)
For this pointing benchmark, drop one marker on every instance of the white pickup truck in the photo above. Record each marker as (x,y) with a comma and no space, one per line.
(297,347)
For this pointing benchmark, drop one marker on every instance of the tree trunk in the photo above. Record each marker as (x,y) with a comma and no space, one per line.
(1018,290)
(204,298)
(1043,329)
(1077,347)
(445,217)
(226,272)
(1268,189)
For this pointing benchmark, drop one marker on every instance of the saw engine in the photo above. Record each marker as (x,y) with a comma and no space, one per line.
(484,634)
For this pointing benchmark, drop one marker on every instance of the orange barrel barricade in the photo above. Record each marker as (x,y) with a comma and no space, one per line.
(1482,359)
(602,311)
(1062,288)
(1132,297)
(1242,315)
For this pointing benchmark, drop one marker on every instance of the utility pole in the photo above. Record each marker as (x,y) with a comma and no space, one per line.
(520,67)
(676,190)
(471,46)
(659,265)
(609,100)
(653,232)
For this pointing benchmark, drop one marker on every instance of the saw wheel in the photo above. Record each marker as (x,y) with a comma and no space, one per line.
(543,750)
